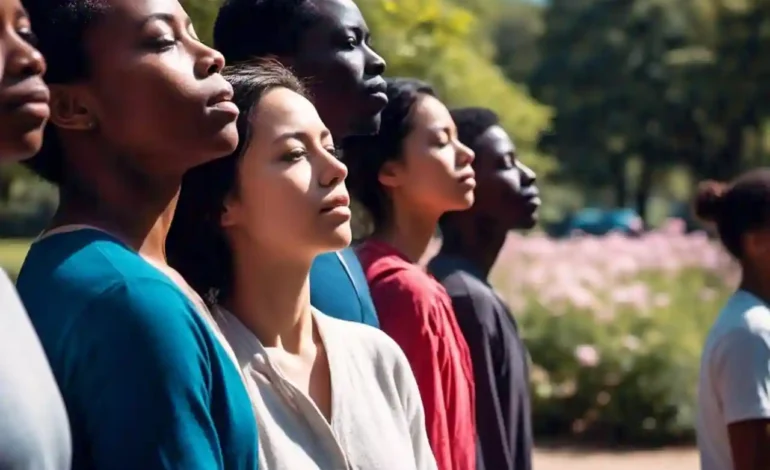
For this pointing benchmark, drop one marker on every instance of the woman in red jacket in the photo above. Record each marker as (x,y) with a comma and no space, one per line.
(407,176)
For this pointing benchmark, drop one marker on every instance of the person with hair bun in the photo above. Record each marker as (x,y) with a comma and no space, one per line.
(734,391)
(407,176)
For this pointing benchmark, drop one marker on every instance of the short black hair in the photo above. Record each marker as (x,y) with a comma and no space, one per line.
(736,208)
(196,245)
(472,122)
(366,154)
(248,29)
(60,27)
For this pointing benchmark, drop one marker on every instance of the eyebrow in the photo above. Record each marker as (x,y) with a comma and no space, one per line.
(165,17)
(300,135)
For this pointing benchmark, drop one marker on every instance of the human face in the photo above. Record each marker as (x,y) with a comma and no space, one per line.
(345,72)
(434,173)
(154,93)
(291,200)
(23,94)
(506,187)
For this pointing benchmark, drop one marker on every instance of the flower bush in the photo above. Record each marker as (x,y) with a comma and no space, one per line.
(615,327)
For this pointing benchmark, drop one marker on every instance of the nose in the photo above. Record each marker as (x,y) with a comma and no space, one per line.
(210,61)
(463,154)
(333,171)
(528,176)
(374,64)
(23,60)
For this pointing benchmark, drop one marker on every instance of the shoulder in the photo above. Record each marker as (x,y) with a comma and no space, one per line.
(81,264)
(744,316)
(366,344)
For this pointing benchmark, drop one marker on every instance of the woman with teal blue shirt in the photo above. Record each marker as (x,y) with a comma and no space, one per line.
(136,100)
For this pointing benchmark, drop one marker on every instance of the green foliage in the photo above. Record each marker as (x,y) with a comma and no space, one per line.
(439,42)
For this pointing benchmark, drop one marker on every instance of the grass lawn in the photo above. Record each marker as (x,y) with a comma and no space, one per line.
(12,253)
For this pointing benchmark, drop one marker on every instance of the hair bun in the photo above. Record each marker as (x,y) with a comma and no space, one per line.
(709,199)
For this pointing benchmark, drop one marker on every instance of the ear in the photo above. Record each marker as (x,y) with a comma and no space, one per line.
(757,243)
(230,211)
(391,174)
(70,108)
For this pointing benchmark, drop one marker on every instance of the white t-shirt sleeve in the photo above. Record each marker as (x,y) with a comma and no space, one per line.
(741,369)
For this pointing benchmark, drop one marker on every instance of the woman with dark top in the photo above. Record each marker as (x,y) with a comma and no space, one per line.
(327,43)
(328,394)
(407,176)
(136,101)
(734,389)
(34,431)
(506,199)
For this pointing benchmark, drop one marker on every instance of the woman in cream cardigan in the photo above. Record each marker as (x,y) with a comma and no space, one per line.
(328,394)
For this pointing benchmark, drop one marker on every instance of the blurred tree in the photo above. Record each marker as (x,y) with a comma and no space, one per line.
(615,72)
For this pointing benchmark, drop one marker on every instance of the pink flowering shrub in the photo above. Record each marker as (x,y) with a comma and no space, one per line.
(615,327)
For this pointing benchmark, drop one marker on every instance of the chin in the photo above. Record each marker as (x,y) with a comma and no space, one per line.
(367,125)
(222,144)
(526,223)
(467,201)
(20,147)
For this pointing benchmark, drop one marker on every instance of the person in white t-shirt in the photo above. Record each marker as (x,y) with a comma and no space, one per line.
(34,429)
(734,391)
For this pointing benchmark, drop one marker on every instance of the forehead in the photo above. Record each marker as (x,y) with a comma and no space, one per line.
(494,141)
(429,112)
(122,13)
(283,111)
(335,14)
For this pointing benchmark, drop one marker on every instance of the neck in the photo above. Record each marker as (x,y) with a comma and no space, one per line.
(136,209)
(469,240)
(271,296)
(756,283)
(409,232)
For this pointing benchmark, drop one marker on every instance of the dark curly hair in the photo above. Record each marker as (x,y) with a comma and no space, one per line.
(472,122)
(366,154)
(196,245)
(735,208)
(248,29)
(61,27)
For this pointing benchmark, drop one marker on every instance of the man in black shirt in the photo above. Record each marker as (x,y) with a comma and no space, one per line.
(506,199)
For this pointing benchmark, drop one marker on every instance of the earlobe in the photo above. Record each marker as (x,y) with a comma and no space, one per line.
(228,218)
(69,109)
(389,175)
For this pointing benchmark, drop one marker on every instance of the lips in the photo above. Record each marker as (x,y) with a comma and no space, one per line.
(376,90)
(221,103)
(341,201)
(23,96)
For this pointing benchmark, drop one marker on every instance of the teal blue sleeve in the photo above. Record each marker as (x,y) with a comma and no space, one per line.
(144,387)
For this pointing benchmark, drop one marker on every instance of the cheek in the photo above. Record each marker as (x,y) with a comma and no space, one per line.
(279,207)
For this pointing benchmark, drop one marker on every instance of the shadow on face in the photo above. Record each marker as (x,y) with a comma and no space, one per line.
(151,92)
(506,188)
(291,200)
(23,95)
(344,72)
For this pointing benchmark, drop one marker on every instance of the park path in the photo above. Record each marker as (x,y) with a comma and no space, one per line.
(664,459)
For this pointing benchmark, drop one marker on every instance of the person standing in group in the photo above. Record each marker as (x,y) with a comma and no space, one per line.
(407,176)
(34,431)
(328,393)
(506,199)
(734,389)
(326,43)
(136,101)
